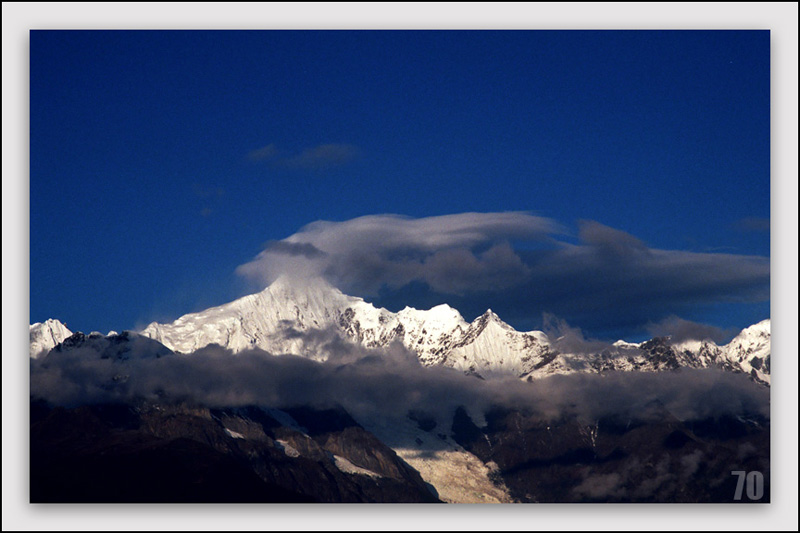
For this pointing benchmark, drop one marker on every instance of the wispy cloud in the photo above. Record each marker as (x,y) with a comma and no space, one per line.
(207,191)
(758,224)
(264,153)
(681,330)
(323,157)
(209,195)
(320,157)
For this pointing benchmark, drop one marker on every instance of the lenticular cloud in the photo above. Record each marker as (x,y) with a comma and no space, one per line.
(517,263)
(452,253)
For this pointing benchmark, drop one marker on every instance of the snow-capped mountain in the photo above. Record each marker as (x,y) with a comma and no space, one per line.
(376,456)
(303,318)
(283,317)
(748,352)
(46,335)
(274,320)
(751,350)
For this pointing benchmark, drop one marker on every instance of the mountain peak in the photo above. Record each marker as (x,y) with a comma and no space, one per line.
(491,316)
(44,336)
(750,350)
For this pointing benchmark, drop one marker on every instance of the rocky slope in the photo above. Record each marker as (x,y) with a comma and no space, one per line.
(182,453)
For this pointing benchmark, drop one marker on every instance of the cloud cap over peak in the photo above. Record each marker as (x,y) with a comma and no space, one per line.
(517,263)
(452,253)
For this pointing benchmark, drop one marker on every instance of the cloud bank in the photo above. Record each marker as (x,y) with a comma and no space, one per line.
(386,382)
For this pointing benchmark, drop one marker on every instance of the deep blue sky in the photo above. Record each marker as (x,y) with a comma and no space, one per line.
(161,161)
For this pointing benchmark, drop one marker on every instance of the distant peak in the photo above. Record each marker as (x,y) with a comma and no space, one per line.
(490,317)
(625,344)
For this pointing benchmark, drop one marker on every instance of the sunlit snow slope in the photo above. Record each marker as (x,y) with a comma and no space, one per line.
(46,335)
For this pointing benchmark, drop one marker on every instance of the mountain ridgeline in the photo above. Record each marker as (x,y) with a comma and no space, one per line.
(303,394)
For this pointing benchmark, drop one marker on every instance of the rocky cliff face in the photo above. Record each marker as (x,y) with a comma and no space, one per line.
(178,452)
(656,458)
(150,453)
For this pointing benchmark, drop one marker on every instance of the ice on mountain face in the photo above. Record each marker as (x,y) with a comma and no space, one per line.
(45,336)
(750,350)
(287,448)
(265,320)
(431,334)
(457,475)
(281,319)
(490,346)
(660,354)
(689,345)
(276,319)
(624,344)
(233,434)
(349,468)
